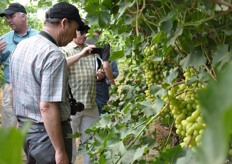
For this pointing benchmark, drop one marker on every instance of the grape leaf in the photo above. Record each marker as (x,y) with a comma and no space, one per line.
(169,155)
(195,58)
(222,55)
(123,6)
(217,111)
(11,141)
(177,33)
(139,152)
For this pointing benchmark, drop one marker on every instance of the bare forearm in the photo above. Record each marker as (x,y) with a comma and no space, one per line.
(72,59)
(109,72)
(52,122)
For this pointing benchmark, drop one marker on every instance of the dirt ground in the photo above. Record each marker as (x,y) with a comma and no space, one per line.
(79,159)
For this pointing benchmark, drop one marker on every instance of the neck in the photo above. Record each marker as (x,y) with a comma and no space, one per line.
(78,43)
(81,45)
(23,31)
(51,32)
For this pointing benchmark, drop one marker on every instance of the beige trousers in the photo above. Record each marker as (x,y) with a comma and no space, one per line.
(8,115)
(79,123)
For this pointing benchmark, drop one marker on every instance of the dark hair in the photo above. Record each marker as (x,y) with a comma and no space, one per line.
(51,20)
(84,28)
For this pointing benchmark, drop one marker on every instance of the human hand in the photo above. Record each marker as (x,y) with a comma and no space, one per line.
(61,157)
(87,51)
(100,74)
(2,44)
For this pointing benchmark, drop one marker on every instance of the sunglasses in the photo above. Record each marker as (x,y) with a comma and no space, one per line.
(83,32)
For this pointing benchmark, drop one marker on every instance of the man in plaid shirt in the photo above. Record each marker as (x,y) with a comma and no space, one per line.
(82,79)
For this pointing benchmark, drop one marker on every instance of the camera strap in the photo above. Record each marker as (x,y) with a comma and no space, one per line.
(47,36)
(70,92)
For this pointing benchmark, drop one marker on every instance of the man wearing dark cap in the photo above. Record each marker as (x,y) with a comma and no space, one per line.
(39,79)
(82,80)
(16,16)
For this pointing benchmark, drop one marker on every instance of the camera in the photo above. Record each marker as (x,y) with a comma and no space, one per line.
(97,51)
(76,106)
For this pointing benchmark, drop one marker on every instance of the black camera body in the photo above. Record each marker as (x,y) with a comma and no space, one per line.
(97,51)
(76,106)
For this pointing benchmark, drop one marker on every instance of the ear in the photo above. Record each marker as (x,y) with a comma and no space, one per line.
(23,16)
(64,22)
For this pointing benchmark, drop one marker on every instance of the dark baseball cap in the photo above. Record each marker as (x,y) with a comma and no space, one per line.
(13,8)
(65,10)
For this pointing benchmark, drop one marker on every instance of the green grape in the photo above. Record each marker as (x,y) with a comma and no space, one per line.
(189,72)
(153,69)
(186,111)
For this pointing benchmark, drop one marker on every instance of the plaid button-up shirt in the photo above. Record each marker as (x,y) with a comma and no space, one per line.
(38,73)
(82,76)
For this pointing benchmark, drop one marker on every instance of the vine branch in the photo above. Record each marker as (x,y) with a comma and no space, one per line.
(139,12)
(212,74)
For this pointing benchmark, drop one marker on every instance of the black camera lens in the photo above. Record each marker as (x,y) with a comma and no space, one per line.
(76,106)
(80,107)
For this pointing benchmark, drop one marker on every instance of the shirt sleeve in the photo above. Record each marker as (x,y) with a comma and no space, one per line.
(53,78)
(114,68)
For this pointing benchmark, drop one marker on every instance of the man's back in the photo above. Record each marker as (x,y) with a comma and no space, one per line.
(33,72)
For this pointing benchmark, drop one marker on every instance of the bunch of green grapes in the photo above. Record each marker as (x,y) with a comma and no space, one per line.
(189,72)
(149,51)
(154,68)
(185,109)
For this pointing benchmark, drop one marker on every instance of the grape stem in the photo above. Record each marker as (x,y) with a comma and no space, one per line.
(209,72)
(176,83)
(191,137)
(170,132)
(184,91)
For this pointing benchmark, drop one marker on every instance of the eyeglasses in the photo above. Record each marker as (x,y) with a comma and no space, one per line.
(16,42)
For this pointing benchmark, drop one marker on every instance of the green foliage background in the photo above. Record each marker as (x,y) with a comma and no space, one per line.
(187,32)
(194,33)
(11,146)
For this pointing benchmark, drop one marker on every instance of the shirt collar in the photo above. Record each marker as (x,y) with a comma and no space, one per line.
(74,45)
